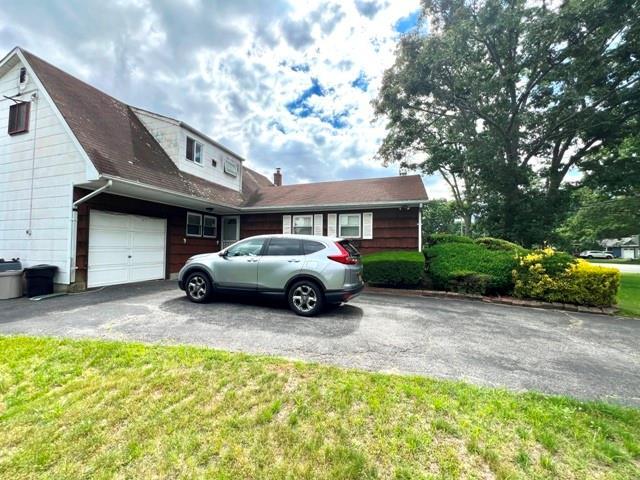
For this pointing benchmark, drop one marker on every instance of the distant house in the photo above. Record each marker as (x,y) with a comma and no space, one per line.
(626,247)
(113,194)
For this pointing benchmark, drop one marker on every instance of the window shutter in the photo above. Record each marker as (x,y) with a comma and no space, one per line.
(367,225)
(317,224)
(286,224)
(332,227)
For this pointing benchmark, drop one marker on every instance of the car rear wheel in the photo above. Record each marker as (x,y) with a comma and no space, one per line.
(198,287)
(589,256)
(305,298)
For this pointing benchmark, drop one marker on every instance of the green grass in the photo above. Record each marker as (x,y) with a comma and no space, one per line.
(86,409)
(629,294)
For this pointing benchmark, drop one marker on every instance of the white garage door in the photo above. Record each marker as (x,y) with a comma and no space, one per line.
(627,253)
(125,248)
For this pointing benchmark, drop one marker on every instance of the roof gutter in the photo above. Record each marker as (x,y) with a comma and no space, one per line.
(172,192)
(334,206)
(92,194)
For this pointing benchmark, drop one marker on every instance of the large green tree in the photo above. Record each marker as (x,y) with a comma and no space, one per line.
(549,86)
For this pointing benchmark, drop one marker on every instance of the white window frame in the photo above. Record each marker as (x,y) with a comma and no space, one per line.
(293,224)
(231,168)
(193,214)
(197,146)
(359,215)
(215,225)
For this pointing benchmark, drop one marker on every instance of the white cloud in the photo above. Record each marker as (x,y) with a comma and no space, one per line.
(232,68)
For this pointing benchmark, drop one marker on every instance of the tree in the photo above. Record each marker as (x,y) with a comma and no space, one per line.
(598,216)
(551,86)
(438,216)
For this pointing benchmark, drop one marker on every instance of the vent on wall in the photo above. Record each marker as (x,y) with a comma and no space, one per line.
(22,83)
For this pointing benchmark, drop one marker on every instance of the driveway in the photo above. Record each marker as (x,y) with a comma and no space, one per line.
(583,355)
(623,267)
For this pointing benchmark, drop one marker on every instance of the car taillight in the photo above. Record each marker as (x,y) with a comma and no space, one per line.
(343,256)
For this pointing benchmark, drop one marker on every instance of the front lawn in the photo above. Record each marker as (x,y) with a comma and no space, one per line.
(629,294)
(88,409)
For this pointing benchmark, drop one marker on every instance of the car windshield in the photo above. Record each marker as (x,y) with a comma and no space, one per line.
(348,246)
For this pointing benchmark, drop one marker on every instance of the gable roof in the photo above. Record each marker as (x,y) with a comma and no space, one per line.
(120,146)
(346,192)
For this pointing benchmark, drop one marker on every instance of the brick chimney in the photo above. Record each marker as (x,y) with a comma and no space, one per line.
(277,178)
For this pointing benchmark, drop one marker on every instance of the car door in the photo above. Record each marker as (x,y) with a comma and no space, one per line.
(283,258)
(238,268)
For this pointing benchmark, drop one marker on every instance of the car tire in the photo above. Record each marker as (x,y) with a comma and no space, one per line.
(305,298)
(589,256)
(198,287)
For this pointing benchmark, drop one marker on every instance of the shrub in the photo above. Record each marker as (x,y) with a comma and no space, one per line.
(394,269)
(499,244)
(444,260)
(469,282)
(436,238)
(557,277)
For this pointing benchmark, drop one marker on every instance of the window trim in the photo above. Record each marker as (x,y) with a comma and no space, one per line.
(235,169)
(195,148)
(27,115)
(359,215)
(293,224)
(193,214)
(215,225)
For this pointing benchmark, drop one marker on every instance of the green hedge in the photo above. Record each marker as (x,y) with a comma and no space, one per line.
(557,277)
(394,269)
(437,238)
(499,244)
(445,262)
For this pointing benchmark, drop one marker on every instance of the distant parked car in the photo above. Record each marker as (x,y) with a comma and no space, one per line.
(596,254)
(310,271)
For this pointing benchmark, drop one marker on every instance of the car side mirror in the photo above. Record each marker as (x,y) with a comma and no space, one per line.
(223,253)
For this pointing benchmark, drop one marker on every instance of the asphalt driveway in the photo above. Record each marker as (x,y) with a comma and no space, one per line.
(583,355)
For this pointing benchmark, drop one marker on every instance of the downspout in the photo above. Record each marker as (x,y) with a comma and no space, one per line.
(74,227)
(420,227)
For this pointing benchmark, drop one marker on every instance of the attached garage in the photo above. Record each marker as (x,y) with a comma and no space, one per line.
(125,248)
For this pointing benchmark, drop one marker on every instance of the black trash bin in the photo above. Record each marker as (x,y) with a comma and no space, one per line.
(40,279)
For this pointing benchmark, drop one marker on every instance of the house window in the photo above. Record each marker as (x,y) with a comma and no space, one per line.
(194,224)
(349,225)
(230,168)
(19,118)
(214,163)
(303,224)
(210,227)
(23,75)
(194,151)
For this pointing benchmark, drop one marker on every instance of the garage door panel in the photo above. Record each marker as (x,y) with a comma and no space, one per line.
(148,240)
(110,275)
(125,248)
(100,238)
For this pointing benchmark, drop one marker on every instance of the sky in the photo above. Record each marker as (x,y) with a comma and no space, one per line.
(284,83)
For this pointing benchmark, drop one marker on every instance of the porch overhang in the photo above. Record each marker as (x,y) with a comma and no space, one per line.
(149,193)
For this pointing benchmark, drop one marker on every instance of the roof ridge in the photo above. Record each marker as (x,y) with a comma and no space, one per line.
(369,179)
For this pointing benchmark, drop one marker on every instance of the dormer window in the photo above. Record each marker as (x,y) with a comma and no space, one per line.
(19,118)
(23,75)
(194,151)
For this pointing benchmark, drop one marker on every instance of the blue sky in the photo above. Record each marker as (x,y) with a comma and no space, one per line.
(284,83)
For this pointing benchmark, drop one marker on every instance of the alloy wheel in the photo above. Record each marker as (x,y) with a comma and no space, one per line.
(305,298)
(197,287)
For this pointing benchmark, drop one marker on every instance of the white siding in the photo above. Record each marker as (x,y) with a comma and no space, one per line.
(173,139)
(49,174)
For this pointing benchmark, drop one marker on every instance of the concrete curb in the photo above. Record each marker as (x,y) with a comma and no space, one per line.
(517,302)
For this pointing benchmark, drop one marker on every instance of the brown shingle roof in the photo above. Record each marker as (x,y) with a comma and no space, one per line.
(116,141)
(370,190)
(119,145)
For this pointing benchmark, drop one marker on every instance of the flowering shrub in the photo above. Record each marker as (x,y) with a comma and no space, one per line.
(557,277)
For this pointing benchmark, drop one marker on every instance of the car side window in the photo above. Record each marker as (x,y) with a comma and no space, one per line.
(312,247)
(284,246)
(251,248)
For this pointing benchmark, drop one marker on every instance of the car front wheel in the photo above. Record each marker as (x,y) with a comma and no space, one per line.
(198,287)
(305,298)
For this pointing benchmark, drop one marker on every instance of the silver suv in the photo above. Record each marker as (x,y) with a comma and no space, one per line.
(310,271)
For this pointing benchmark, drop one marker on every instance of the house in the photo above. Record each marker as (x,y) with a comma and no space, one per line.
(112,194)
(626,247)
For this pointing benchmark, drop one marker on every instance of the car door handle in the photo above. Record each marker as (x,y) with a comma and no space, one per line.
(252,260)
(293,260)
